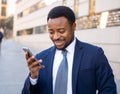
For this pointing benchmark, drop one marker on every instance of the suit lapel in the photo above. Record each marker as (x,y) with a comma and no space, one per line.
(76,64)
(49,69)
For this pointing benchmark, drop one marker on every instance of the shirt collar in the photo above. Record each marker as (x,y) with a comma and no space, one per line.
(70,48)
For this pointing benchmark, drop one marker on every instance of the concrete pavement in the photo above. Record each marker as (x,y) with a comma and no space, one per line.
(13,67)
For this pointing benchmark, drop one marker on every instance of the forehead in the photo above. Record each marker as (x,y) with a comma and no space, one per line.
(57,21)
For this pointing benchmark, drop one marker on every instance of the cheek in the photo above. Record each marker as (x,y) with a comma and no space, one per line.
(69,35)
(51,37)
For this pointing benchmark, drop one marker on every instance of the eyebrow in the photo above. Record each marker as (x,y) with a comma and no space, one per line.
(61,28)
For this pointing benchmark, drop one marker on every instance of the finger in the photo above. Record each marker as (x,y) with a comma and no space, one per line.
(31,60)
(34,69)
(27,55)
(36,65)
(40,61)
(40,64)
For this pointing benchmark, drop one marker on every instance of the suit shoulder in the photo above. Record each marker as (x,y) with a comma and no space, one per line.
(44,53)
(91,48)
(85,44)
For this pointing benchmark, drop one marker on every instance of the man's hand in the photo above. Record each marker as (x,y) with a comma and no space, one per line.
(34,66)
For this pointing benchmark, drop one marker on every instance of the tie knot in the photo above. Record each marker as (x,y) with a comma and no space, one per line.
(64,52)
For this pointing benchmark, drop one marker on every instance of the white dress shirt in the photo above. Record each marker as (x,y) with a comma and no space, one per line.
(57,60)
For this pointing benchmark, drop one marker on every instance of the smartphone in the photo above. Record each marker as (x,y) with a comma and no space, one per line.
(26,49)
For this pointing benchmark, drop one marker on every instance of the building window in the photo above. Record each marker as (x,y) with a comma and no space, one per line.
(40,5)
(88,22)
(40,29)
(31,9)
(113,18)
(4,1)
(25,32)
(3,12)
(26,12)
(20,15)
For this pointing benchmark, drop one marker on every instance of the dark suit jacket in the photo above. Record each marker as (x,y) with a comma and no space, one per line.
(1,36)
(91,71)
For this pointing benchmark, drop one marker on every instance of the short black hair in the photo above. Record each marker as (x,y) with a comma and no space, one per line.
(59,11)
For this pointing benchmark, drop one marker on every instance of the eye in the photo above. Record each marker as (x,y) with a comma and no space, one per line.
(61,30)
(50,31)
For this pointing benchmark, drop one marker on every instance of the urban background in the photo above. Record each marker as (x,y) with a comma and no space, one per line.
(98,22)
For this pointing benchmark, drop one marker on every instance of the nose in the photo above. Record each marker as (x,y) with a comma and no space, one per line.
(56,36)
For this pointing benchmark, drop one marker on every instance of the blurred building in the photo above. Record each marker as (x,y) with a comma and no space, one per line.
(30,15)
(98,22)
(3,13)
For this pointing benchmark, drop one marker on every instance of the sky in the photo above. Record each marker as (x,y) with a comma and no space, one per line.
(11,5)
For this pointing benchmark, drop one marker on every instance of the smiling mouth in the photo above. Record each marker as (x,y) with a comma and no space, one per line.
(59,43)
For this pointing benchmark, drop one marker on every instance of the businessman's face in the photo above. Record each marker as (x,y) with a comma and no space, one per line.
(61,31)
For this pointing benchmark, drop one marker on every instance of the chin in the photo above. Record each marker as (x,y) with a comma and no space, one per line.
(60,48)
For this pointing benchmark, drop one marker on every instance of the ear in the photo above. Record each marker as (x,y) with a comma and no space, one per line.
(74,26)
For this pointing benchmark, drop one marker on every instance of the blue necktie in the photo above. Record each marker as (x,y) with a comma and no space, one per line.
(62,76)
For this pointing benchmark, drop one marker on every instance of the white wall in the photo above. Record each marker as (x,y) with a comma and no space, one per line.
(36,18)
(83,7)
(0,8)
(24,4)
(108,39)
(70,3)
(105,5)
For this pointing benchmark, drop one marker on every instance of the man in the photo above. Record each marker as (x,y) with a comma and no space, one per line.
(88,69)
(1,37)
